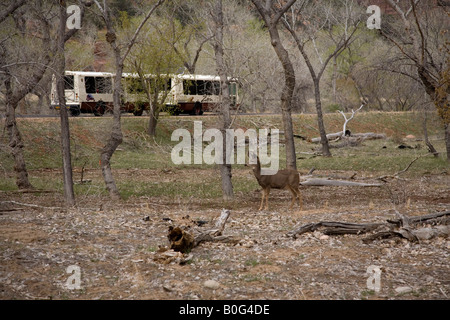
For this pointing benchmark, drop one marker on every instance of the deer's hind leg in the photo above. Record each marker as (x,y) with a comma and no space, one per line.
(296,194)
(300,199)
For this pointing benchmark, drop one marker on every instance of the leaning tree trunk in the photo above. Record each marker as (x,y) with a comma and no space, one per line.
(272,13)
(286,96)
(225,168)
(15,139)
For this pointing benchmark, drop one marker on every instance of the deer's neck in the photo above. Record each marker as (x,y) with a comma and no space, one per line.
(257,171)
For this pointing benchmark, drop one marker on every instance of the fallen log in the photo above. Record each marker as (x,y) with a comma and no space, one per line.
(411,234)
(405,231)
(339,183)
(182,240)
(442,217)
(334,228)
(361,136)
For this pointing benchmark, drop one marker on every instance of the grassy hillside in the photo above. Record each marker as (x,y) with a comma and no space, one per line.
(143,165)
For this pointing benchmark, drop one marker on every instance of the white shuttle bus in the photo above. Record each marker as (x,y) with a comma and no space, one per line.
(91,92)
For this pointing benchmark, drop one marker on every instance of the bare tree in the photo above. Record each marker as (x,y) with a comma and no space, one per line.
(23,75)
(19,74)
(422,38)
(304,22)
(13,6)
(272,12)
(225,168)
(60,67)
(21,69)
(116,136)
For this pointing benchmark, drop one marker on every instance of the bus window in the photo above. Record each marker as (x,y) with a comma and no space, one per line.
(98,84)
(103,85)
(89,83)
(134,86)
(160,85)
(190,87)
(68,82)
(213,88)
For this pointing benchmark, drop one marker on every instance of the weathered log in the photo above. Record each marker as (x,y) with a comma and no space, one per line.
(180,240)
(335,228)
(411,235)
(405,231)
(433,218)
(342,183)
(362,136)
(183,241)
(382,235)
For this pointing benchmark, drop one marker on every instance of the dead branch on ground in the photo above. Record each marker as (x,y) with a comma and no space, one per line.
(182,240)
(403,227)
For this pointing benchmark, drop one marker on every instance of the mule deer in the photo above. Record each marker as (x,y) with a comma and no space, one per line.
(283,179)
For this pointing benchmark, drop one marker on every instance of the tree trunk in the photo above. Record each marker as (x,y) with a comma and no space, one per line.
(225,168)
(15,139)
(154,113)
(115,138)
(272,16)
(65,132)
(323,135)
(286,96)
(152,122)
(447,140)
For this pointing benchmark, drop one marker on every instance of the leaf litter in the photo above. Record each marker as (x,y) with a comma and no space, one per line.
(116,246)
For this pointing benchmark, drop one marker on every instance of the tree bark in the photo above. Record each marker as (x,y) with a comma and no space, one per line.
(15,139)
(153,121)
(116,136)
(225,168)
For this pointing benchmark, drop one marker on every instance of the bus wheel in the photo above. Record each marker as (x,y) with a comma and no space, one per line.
(198,109)
(99,109)
(138,112)
(75,112)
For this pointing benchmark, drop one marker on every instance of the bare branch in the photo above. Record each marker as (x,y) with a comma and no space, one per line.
(12,7)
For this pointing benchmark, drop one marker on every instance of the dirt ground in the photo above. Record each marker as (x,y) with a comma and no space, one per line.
(114,246)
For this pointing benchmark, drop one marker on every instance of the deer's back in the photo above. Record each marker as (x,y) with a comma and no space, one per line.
(281,179)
